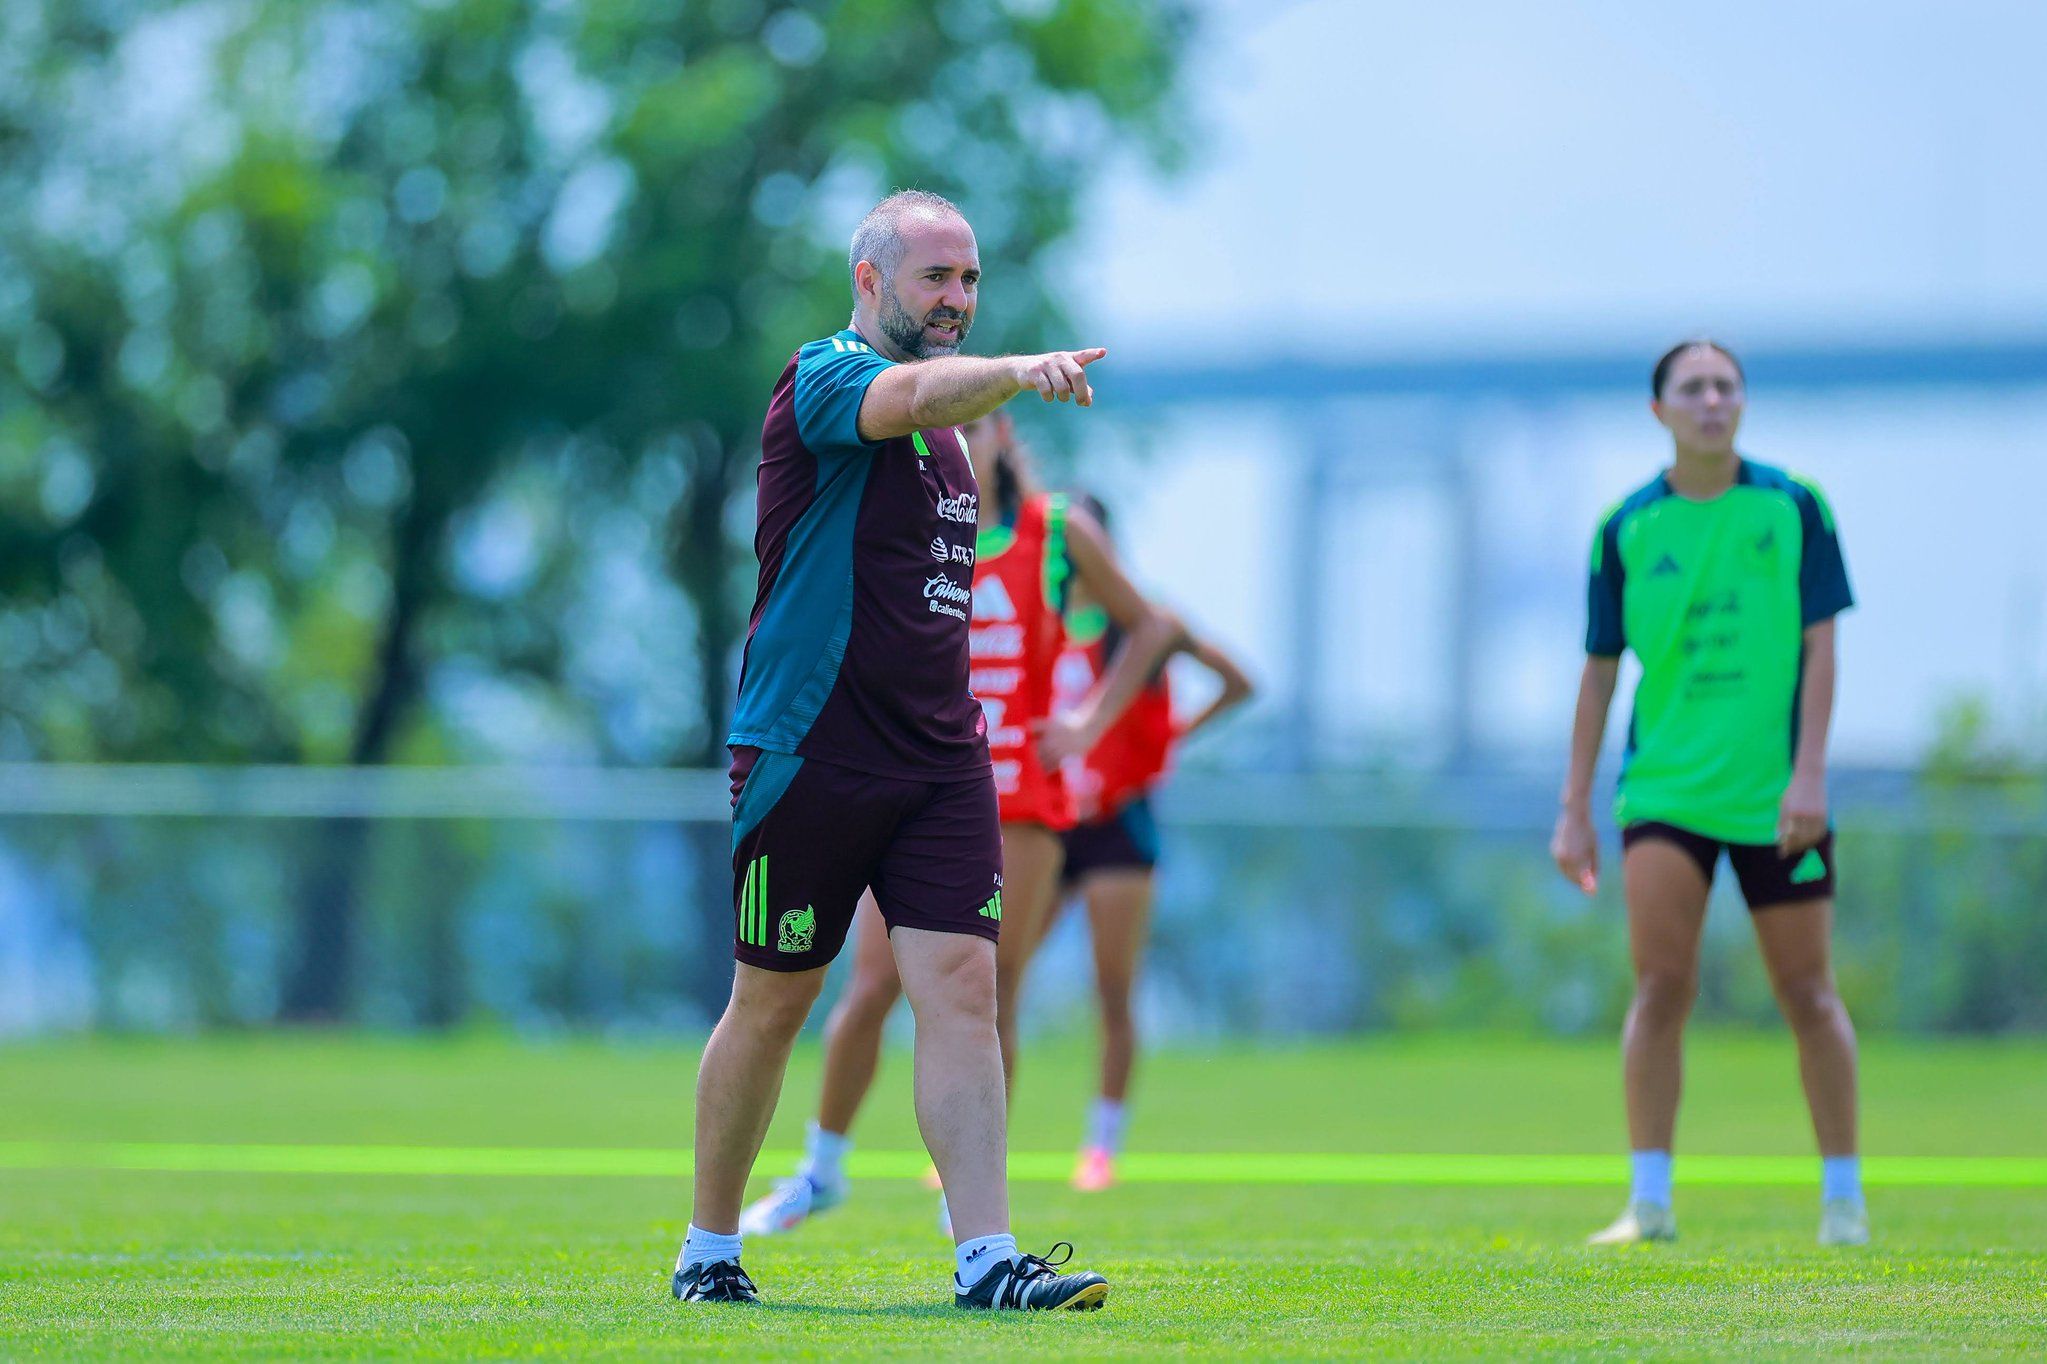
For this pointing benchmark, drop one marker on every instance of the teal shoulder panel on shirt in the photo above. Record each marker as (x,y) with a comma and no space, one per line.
(832,375)
(794,656)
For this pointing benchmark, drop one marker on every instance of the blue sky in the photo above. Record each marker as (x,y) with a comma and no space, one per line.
(1503,174)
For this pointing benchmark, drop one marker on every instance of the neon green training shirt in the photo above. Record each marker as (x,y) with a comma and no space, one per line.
(1714,598)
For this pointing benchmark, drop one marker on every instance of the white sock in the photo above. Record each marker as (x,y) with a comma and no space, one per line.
(1105,1126)
(1841,1177)
(824,1156)
(702,1247)
(972,1258)
(1652,1178)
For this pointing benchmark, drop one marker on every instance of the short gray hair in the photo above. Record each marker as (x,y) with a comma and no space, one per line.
(879,238)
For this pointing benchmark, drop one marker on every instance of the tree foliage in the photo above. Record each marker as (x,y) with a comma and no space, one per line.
(382,380)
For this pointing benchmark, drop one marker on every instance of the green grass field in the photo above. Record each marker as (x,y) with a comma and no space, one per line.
(342,1197)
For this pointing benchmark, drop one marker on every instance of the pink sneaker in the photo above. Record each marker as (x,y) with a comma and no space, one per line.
(1096,1171)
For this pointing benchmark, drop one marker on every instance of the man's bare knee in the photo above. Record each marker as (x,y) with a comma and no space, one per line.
(953,980)
(773,1004)
(967,987)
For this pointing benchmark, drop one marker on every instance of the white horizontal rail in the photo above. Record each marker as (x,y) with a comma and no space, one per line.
(1199,799)
(567,793)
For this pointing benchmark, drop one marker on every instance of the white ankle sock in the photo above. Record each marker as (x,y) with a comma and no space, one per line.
(824,1156)
(702,1247)
(972,1258)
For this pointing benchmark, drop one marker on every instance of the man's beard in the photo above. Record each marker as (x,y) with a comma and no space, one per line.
(906,333)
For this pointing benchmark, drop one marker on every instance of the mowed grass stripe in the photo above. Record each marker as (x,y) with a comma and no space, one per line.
(1144,1167)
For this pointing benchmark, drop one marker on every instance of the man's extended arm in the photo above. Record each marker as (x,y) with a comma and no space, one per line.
(955,389)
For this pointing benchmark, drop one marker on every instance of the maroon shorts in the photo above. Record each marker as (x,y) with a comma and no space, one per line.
(809,836)
(1767,876)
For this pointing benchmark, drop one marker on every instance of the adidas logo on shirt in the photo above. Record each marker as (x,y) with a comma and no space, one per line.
(1665,565)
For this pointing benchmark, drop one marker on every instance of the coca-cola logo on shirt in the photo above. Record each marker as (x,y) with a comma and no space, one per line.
(964,509)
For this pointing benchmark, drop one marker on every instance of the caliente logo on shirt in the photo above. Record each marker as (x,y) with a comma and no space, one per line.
(948,598)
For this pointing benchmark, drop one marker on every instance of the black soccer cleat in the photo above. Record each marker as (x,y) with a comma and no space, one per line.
(716,1281)
(1032,1283)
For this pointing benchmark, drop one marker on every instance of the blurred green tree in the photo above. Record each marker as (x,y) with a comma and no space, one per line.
(294,294)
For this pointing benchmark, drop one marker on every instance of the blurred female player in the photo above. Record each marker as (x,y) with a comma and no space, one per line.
(1032,549)
(1112,853)
(1724,576)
